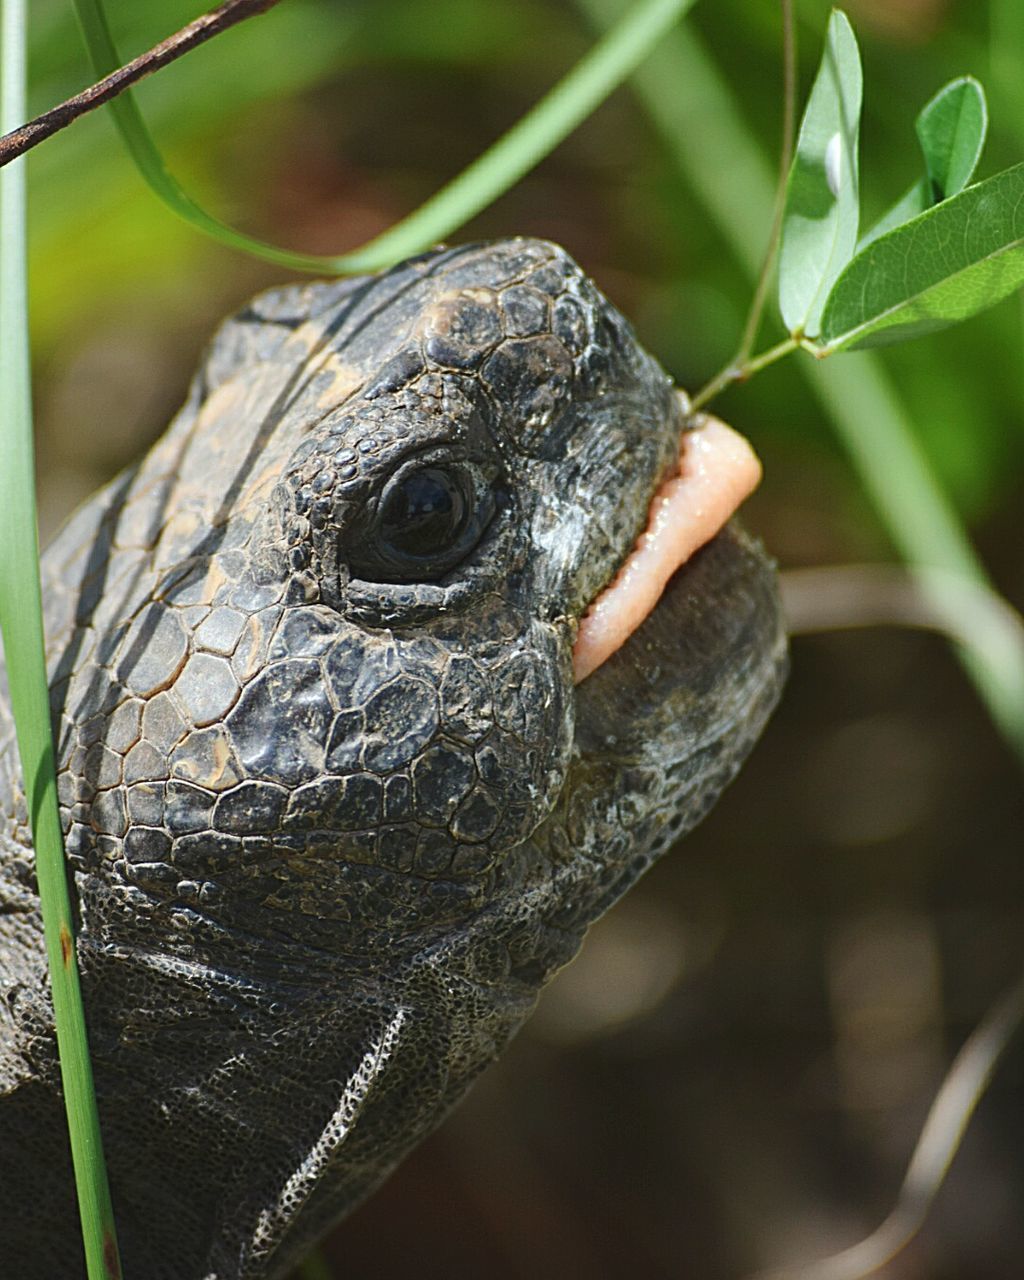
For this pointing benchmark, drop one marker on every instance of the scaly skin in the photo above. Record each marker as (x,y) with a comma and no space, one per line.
(330,832)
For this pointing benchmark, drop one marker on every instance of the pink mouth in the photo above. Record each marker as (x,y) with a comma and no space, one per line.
(717,470)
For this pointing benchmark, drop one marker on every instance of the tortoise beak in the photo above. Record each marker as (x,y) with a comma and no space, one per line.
(663,725)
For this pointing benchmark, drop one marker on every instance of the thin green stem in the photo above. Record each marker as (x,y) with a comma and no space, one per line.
(783,348)
(740,367)
(722,379)
(785,161)
(600,71)
(22,628)
(741,370)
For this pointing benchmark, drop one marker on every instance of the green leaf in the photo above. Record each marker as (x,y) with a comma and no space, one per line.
(950,262)
(819,225)
(693,106)
(951,129)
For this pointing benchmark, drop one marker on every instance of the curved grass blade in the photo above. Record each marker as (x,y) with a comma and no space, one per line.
(593,78)
(819,225)
(963,1087)
(22,627)
(945,265)
(951,129)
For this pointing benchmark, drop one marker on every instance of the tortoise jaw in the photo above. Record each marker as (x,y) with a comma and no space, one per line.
(710,648)
(666,722)
(717,470)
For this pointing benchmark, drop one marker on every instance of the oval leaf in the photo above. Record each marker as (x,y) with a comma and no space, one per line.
(954,260)
(951,130)
(819,227)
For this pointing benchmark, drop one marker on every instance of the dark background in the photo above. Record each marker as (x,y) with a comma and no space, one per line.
(734,1072)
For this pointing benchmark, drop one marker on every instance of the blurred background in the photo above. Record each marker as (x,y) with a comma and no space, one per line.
(733,1073)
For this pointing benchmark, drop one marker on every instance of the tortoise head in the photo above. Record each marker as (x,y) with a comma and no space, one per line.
(334,805)
(332,703)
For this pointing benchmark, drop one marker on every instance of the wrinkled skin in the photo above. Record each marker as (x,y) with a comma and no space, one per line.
(331,833)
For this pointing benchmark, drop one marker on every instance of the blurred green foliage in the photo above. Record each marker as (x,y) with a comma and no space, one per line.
(387,99)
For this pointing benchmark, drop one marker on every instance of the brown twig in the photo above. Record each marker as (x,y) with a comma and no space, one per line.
(18,141)
(948,1117)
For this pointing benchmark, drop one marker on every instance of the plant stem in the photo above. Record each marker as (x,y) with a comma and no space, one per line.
(739,370)
(22,626)
(26,136)
(741,366)
(785,161)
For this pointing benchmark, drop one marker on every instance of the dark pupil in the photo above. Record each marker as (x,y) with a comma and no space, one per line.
(423,514)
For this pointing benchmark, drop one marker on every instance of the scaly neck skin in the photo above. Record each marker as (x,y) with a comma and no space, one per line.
(294,1053)
(22,950)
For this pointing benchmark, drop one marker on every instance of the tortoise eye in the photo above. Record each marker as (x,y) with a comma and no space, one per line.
(428,519)
(424,512)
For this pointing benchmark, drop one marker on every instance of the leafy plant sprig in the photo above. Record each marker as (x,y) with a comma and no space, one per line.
(943,252)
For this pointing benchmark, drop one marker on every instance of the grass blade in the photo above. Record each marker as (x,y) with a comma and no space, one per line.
(22,627)
(947,264)
(819,223)
(607,64)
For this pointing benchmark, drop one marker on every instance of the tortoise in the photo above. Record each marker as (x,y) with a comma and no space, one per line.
(334,808)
